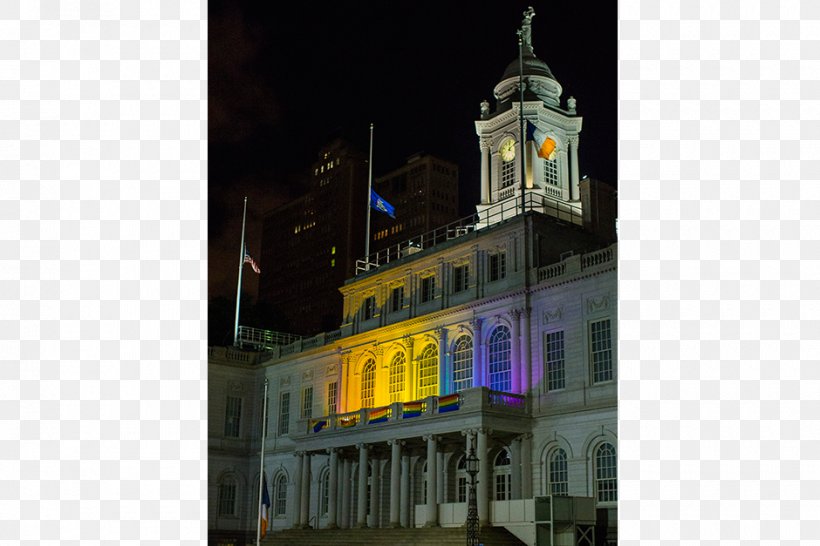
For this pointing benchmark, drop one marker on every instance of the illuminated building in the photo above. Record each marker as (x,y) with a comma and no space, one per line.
(502,337)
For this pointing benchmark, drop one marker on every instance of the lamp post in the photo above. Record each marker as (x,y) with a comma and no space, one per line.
(472,510)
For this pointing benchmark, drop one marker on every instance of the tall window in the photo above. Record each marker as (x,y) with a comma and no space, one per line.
(558,472)
(368,383)
(332,389)
(369,307)
(324,495)
(497,266)
(461,278)
(502,476)
(284,413)
(500,367)
(461,479)
(462,363)
(397,368)
(397,299)
(227,497)
(280,495)
(428,371)
(554,349)
(606,483)
(507,173)
(233,412)
(600,337)
(307,402)
(428,289)
(551,172)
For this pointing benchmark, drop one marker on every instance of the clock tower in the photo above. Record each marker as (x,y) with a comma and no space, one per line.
(550,149)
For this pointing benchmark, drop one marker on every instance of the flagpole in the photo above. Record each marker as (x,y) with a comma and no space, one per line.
(369,197)
(262,467)
(239,281)
(521,118)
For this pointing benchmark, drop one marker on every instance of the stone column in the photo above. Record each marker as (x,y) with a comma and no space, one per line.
(573,168)
(484,144)
(361,511)
(515,468)
(375,487)
(304,518)
(333,488)
(432,474)
(297,489)
(526,466)
(410,370)
(478,368)
(443,383)
(441,477)
(395,481)
(404,503)
(345,490)
(483,485)
(526,363)
(515,351)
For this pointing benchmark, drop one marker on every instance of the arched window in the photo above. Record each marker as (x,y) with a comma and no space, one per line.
(397,368)
(227,497)
(502,475)
(500,368)
(368,383)
(324,492)
(557,472)
(606,483)
(462,363)
(280,495)
(461,479)
(428,371)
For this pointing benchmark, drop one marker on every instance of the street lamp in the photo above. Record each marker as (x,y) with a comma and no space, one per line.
(472,510)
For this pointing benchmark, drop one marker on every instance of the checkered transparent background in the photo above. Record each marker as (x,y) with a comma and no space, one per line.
(102,274)
(719,382)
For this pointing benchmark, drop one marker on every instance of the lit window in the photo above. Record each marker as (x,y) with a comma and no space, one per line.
(601,351)
(233,412)
(368,383)
(503,476)
(551,172)
(332,389)
(333,250)
(507,173)
(558,473)
(397,369)
(554,350)
(500,368)
(462,363)
(428,372)
(606,484)
(333,262)
(280,495)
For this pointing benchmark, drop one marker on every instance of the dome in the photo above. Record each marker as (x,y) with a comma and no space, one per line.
(533,66)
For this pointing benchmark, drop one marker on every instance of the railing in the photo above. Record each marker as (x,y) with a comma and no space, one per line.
(568,212)
(597,258)
(263,339)
(576,264)
(551,271)
(506,400)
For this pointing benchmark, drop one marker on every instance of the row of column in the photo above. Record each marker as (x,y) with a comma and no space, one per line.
(339,500)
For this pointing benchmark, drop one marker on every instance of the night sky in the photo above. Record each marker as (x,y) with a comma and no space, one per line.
(284,79)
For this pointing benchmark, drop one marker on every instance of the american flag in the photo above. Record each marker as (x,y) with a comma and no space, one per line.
(249,260)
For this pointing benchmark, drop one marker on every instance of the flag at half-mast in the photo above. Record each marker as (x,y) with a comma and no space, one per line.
(545,146)
(250,260)
(264,508)
(381,205)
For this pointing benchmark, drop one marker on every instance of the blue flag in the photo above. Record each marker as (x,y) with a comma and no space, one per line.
(381,205)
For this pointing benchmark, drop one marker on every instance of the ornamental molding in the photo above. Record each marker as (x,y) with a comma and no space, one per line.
(284,381)
(552,315)
(235,387)
(307,376)
(596,304)
(332,369)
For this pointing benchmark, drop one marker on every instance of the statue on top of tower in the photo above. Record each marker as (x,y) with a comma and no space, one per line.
(526,28)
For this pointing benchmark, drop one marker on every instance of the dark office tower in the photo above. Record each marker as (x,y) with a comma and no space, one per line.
(424,192)
(310,246)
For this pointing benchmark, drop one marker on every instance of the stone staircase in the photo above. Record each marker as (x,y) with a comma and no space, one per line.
(438,536)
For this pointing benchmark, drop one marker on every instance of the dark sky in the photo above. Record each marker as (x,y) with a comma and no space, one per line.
(285,78)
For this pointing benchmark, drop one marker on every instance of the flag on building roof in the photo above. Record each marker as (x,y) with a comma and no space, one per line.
(347,421)
(381,205)
(377,416)
(411,409)
(545,146)
(250,260)
(318,424)
(448,403)
(264,508)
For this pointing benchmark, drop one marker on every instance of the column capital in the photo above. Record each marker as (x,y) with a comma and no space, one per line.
(331,450)
(407,341)
(364,446)
(395,442)
(485,143)
(573,140)
(514,314)
(476,323)
(429,437)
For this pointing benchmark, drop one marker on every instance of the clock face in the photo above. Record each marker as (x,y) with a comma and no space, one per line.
(508,150)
